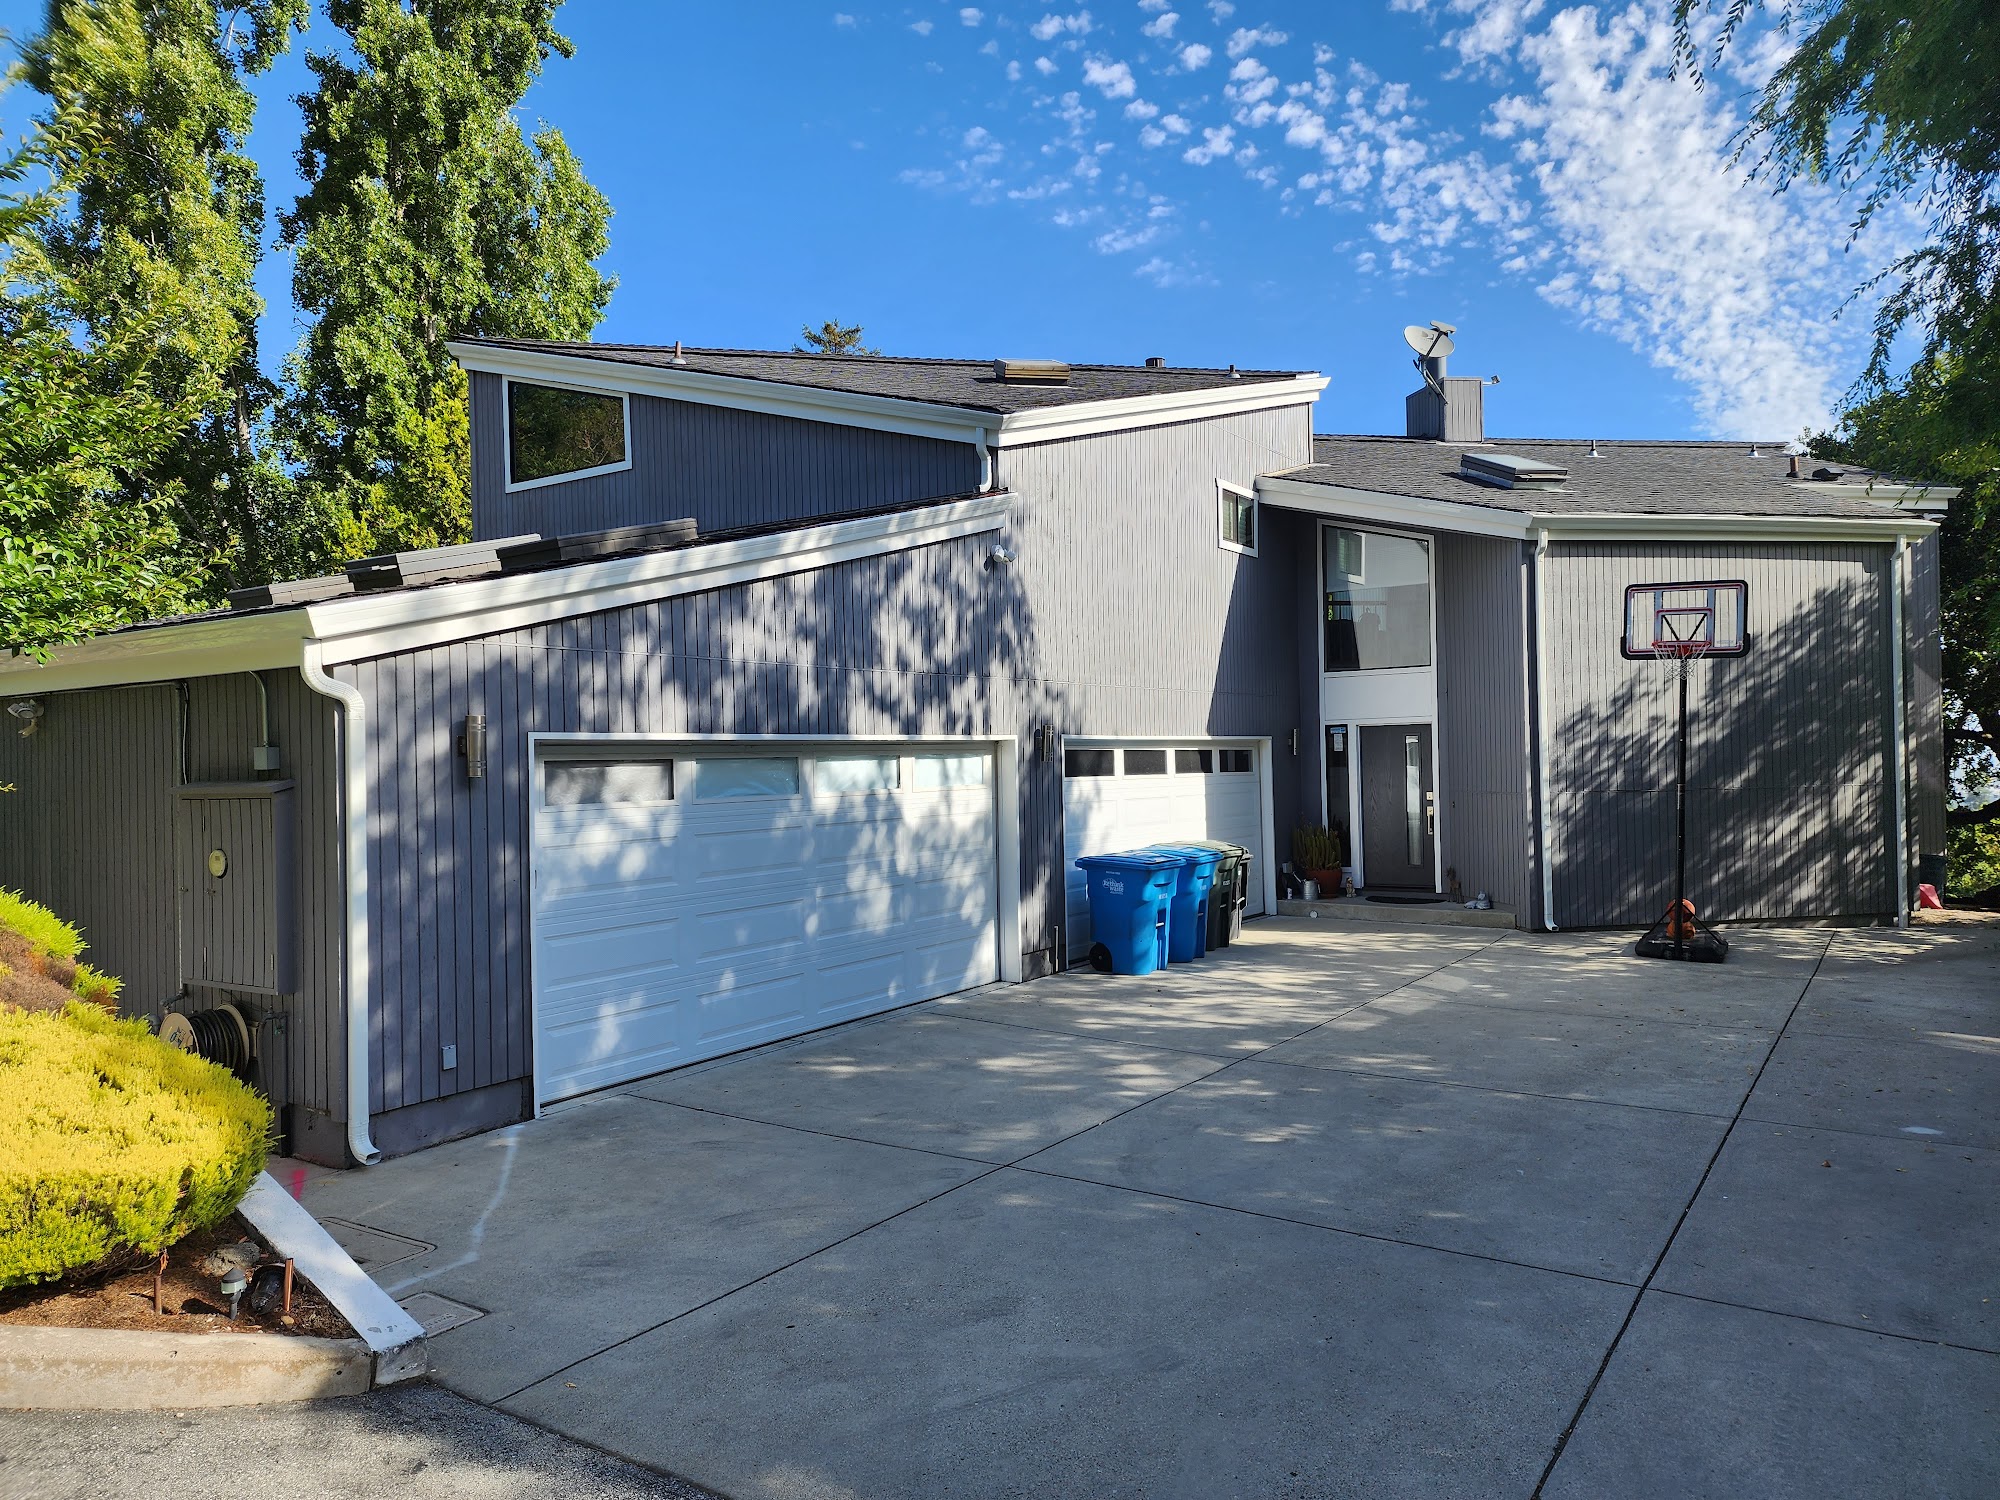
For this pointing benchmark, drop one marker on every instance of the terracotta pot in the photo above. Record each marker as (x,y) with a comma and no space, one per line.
(1329,882)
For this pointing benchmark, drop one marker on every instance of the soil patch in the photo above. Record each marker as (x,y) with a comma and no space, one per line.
(188,1292)
(30,980)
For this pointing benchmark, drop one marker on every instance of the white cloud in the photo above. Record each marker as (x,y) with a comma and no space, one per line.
(1051,26)
(971,15)
(842,18)
(1013,71)
(976,137)
(1044,66)
(1162,25)
(1113,79)
(921,28)
(1665,245)
(1154,4)
(1141,109)
(1215,142)
(1244,38)
(1194,56)
(1222,10)
(989,48)
(1250,82)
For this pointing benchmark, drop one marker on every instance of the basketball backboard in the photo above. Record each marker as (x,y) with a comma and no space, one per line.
(1686,619)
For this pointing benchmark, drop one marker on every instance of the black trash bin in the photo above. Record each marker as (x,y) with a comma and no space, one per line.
(1230,891)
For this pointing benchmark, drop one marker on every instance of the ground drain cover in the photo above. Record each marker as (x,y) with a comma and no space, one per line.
(373,1249)
(438,1314)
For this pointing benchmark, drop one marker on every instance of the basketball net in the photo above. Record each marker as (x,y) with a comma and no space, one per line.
(1682,636)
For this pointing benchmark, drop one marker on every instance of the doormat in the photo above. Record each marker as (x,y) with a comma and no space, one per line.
(1413,899)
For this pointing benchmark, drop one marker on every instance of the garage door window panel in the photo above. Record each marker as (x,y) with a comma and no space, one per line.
(1145,762)
(846,775)
(607,783)
(746,776)
(932,773)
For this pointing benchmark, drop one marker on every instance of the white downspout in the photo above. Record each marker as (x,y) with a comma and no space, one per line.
(354,869)
(985,459)
(1902,732)
(1542,732)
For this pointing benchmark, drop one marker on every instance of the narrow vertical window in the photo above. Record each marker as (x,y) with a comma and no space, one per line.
(1237,509)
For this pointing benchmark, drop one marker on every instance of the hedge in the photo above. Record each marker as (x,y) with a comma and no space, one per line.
(113,1144)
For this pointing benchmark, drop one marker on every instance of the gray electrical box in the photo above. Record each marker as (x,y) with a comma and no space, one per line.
(238,878)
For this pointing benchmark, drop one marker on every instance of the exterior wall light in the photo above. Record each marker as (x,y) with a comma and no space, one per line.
(1001,556)
(472,745)
(29,712)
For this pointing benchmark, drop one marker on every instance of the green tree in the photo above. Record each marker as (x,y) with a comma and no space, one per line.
(85,543)
(832,337)
(1895,101)
(427,215)
(152,238)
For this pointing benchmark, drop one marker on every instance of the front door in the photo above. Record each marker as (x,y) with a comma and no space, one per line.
(1398,808)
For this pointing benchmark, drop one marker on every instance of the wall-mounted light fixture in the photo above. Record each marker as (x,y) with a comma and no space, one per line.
(28,712)
(472,745)
(1295,742)
(1001,556)
(1047,742)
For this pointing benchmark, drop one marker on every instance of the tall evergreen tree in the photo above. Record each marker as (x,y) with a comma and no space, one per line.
(427,215)
(151,240)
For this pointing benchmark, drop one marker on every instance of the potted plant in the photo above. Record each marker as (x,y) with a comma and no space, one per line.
(1316,855)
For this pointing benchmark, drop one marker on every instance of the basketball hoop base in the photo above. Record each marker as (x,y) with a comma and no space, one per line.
(1701,945)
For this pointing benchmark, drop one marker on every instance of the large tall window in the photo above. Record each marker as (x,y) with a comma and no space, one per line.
(554,432)
(1378,600)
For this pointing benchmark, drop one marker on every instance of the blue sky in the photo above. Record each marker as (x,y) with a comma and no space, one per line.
(1274,185)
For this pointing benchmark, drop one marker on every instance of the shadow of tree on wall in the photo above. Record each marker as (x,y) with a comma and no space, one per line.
(1790,791)
(934,641)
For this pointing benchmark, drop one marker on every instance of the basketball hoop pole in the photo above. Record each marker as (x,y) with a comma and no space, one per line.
(1681,821)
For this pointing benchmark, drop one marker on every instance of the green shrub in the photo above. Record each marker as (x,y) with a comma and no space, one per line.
(1315,848)
(44,930)
(113,1144)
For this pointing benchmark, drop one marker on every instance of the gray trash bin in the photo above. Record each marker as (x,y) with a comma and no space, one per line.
(1231,890)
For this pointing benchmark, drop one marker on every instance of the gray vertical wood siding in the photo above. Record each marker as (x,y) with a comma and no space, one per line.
(1790,806)
(723,467)
(1930,776)
(1484,768)
(92,832)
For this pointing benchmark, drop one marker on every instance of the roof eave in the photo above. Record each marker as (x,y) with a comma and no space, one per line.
(891,413)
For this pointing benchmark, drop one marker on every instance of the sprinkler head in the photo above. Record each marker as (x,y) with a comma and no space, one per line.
(233,1284)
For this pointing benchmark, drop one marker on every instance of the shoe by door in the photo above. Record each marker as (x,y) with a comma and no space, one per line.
(1398,808)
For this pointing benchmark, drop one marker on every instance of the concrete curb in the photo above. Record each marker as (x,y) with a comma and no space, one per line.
(122,1369)
(1427,914)
(395,1340)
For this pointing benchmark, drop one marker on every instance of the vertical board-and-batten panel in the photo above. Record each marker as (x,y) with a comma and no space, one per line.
(1790,806)
(1482,685)
(721,466)
(1929,773)
(92,832)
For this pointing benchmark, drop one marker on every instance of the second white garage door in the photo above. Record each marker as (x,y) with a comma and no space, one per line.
(690,902)
(1119,797)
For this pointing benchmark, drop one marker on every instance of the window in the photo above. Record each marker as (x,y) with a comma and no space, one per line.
(745,776)
(1194,762)
(1378,600)
(1089,763)
(1232,762)
(834,774)
(935,772)
(1145,762)
(1239,517)
(555,433)
(578,783)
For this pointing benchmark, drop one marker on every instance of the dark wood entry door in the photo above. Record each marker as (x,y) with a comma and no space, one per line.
(1398,808)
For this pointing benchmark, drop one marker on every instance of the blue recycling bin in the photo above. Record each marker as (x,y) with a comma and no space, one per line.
(1128,906)
(1187,914)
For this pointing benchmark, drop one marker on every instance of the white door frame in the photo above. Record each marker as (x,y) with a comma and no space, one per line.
(1426,715)
(1261,759)
(1006,752)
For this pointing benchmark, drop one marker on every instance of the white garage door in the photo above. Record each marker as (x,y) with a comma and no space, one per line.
(1122,796)
(690,902)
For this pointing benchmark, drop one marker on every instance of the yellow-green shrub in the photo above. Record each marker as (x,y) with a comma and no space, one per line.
(45,931)
(113,1144)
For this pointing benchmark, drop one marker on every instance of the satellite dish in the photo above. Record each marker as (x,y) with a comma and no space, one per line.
(1433,342)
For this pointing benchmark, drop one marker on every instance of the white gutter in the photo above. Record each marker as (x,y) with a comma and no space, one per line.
(1902,734)
(1542,733)
(354,862)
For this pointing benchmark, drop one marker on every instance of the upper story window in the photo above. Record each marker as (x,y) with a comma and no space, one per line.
(555,432)
(1238,507)
(1378,600)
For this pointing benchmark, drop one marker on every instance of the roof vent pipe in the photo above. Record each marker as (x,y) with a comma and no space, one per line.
(679,358)
(1156,361)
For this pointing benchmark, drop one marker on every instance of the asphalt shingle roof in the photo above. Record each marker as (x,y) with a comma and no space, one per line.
(1634,478)
(967,383)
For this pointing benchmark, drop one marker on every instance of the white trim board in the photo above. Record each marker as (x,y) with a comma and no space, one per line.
(890,413)
(1339,502)
(358,626)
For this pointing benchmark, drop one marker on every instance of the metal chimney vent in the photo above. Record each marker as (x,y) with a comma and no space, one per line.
(1031,371)
(1156,361)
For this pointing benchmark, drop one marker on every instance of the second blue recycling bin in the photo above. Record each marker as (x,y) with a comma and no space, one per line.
(1187,915)
(1128,896)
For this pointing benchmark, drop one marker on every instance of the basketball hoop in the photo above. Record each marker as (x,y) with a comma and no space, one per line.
(1680,624)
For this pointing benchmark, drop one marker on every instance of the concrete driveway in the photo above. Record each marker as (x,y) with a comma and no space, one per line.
(1344,1211)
